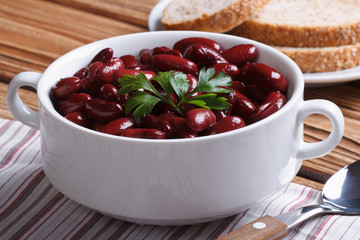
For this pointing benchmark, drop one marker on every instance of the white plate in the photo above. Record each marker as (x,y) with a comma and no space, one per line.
(311,79)
(154,21)
(336,77)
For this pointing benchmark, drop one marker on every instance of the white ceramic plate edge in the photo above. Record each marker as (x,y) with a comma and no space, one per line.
(333,77)
(154,21)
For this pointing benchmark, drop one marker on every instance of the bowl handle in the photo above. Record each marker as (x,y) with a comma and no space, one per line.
(16,106)
(330,110)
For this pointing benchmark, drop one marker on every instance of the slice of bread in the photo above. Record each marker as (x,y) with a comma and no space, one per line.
(324,59)
(304,23)
(208,15)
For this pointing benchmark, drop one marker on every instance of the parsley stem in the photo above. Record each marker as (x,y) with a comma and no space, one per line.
(179,111)
(176,106)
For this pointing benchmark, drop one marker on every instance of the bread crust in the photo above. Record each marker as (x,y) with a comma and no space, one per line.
(324,59)
(294,37)
(283,34)
(221,21)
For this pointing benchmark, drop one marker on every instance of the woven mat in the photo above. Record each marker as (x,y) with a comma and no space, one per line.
(31,208)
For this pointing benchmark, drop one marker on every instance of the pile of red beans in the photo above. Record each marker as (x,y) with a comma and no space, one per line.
(90,97)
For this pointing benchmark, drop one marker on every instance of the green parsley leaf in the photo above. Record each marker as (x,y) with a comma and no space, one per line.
(180,84)
(144,103)
(163,78)
(210,84)
(140,81)
(211,101)
(128,84)
(199,103)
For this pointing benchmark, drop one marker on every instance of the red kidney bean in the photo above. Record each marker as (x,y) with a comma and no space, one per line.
(97,126)
(185,107)
(242,106)
(203,56)
(181,128)
(230,98)
(90,84)
(109,93)
(168,116)
(162,107)
(255,92)
(239,86)
(145,56)
(267,77)
(276,97)
(226,124)
(80,119)
(103,56)
(229,69)
(75,103)
(106,71)
(152,121)
(175,53)
(147,67)
(200,119)
(66,87)
(82,73)
(130,62)
(104,110)
(93,68)
(243,74)
(221,114)
(192,81)
(272,103)
(240,54)
(165,50)
(123,98)
(142,133)
(114,127)
(165,62)
(182,44)
(160,50)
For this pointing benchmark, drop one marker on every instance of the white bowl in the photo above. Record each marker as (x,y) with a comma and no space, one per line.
(177,181)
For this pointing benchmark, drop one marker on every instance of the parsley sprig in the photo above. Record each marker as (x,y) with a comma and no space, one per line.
(144,101)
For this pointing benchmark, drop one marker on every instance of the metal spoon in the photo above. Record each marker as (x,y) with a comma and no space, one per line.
(340,195)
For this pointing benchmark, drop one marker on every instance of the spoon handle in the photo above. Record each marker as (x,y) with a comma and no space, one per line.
(265,227)
(268,227)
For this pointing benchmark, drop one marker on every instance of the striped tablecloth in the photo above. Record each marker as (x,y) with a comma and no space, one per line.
(31,208)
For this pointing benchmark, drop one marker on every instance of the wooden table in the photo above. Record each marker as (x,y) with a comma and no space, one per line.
(34,33)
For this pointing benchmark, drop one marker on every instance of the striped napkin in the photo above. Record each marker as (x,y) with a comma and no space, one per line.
(31,208)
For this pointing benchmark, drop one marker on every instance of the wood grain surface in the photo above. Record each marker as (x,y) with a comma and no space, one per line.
(34,33)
